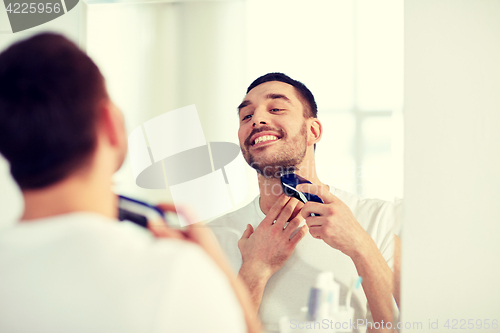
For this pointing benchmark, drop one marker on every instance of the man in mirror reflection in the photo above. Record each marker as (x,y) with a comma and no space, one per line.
(276,253)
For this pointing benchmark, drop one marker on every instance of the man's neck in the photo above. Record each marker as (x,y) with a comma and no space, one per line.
(78,193)
(270,188)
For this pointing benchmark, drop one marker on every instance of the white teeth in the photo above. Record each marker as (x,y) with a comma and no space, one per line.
(265,138)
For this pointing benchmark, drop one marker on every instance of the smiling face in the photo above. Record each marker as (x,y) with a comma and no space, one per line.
(273,132)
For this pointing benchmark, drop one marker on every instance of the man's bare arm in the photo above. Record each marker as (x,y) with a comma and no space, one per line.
(265,250)
(255,282)
(336,225)
(397,268)
(377,282)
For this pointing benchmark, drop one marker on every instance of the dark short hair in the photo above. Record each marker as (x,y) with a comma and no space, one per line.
(305,95)
(50,92)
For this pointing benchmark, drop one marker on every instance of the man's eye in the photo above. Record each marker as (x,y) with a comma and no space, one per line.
(275,110)
(248,116)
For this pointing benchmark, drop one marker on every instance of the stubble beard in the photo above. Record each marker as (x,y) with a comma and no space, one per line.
(285,160)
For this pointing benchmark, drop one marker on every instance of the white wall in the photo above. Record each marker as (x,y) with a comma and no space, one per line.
(158,57)
(451,234)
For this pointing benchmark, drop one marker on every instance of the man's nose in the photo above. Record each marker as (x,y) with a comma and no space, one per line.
(259,118)
(262,122)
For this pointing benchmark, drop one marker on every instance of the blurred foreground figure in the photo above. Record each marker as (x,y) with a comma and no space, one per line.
(68,265)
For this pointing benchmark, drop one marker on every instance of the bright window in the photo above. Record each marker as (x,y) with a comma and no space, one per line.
(350,55)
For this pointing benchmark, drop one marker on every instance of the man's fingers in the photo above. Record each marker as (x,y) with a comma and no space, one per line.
(286,213)
(321,191)
(163,231)
(276,209)
(314,207)
(196,232)
(296,211)
(299,235)
(167,207)
(248,232)
(160,229)
(185,211)
(314,221)
(293,225)
(316,231)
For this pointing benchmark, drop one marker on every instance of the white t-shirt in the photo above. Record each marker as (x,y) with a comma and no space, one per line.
(82,272)
(288,289)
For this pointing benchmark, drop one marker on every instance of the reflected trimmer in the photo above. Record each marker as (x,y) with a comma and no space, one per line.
(289,182)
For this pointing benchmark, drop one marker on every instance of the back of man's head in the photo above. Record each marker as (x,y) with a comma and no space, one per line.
(305,95)
(50,92)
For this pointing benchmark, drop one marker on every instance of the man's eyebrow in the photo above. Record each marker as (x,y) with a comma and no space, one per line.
(243,104)
(278,96)
(268,96)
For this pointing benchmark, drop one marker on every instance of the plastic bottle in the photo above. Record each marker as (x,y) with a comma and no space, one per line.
(323,297)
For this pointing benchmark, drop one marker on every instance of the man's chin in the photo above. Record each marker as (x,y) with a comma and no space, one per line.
(271,169)
(270,162)
(267,148)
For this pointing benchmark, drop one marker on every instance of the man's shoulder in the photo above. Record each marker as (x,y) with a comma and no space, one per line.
(133,251)
(373,214)
(377,217)
(238,219)
(357,203)
(96,235)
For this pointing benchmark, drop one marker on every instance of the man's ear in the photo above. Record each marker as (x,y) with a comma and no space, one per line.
(112,131)
(111,123)
(315,131)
